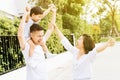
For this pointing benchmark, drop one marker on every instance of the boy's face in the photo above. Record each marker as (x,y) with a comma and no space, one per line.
(36,18)
(37,36)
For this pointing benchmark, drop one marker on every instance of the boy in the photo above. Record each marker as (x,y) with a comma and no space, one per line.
(34,16)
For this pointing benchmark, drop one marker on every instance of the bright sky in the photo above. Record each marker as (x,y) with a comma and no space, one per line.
(92,9)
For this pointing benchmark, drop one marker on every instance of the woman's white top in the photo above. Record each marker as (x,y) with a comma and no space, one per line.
(82,68)
(35,65)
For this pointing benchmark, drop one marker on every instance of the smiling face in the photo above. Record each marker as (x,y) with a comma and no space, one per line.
(37,36)
(36,13)
(36,33)
(85,42)
(36,18)
(80,43)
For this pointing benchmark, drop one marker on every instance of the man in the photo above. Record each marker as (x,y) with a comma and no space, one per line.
(33,48)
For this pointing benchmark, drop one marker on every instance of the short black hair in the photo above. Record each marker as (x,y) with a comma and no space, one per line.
(36,27)
(36,10)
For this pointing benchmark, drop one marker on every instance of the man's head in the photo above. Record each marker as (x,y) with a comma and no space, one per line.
(36,13)
(36,33)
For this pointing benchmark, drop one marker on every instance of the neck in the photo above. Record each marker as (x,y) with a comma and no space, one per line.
(81,51)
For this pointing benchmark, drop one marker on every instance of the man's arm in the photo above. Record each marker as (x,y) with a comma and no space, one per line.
(50,25)
(20,34)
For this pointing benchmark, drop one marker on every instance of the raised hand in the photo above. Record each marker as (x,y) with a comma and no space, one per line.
(110,42)
(52,7)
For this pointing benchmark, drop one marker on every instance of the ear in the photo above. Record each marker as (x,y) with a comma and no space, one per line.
(32,15)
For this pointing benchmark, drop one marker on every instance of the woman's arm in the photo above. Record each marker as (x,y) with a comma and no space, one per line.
(109,43)
(50,25)
(65,42)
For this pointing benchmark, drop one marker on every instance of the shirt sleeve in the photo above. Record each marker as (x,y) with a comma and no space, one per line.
(92,55)
(68,45)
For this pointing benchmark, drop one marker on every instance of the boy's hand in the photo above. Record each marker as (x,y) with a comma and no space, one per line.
(42,43)
(31,43)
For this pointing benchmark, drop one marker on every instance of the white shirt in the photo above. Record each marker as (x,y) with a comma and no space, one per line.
(27,28)
(36,65)
(82,68)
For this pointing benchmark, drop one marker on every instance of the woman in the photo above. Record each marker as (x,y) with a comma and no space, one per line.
(83,54)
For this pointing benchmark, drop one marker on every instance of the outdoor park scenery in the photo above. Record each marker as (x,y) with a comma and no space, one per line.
(98,18)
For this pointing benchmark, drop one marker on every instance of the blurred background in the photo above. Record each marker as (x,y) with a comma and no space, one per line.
(98,18)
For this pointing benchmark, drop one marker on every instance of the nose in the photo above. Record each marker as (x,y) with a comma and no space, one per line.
(41,38)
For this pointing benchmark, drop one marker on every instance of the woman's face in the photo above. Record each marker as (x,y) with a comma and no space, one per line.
(80,43)
(37,36)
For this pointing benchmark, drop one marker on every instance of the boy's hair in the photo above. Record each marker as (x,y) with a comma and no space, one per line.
(36,10)
(88,43)
(36,27)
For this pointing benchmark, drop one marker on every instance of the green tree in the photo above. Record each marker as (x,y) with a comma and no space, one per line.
(112,7)
(8,27)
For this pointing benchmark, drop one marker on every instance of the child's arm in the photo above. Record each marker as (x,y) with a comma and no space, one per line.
(109,43)
(32,47)
(20,33)
(47,11)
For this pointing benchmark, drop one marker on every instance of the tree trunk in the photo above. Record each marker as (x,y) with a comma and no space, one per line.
(113,31)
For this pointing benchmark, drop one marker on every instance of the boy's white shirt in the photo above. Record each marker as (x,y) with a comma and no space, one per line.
(27,28)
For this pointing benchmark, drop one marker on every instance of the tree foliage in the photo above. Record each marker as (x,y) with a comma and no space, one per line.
(7,26)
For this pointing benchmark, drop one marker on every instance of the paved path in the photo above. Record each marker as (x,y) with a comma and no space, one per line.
(106,67)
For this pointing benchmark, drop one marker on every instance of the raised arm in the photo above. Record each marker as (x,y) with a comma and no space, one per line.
(58,32)
(65,42)
(20,34)
(50,25)
(28,13)
(47,10)
(109,43)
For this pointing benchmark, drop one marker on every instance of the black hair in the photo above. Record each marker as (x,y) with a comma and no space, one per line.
(88,43)
(36,10)
(36,27)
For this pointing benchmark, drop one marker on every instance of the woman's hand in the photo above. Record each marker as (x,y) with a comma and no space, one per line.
(111,42)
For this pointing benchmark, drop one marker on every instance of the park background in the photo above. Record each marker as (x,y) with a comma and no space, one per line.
(98,18)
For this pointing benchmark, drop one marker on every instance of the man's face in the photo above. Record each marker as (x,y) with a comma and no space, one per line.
(37,36)
(36,18)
